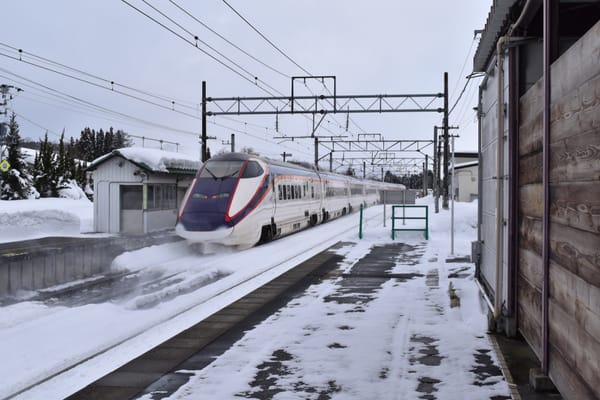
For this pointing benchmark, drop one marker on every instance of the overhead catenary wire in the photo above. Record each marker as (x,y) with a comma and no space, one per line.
(96,106)
(195,38)
(18,114)
(169,99)
(253,82)
(469,77)
(266,39)
(228,41)
(101,86)
(462,70)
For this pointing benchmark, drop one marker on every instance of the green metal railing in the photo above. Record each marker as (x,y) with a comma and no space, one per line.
(403,217)
(360,235)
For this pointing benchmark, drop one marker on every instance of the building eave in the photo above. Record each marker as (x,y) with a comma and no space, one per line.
(497,23)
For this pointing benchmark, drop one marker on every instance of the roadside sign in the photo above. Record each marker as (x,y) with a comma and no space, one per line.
(4,165)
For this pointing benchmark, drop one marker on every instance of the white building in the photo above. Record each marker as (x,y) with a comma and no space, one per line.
(465,181)
(139,190)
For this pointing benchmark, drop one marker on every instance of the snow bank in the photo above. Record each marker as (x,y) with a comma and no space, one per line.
(31,219)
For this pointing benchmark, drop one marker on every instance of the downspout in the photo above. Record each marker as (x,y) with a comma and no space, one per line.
(528,8)
(546,184)
(500,178)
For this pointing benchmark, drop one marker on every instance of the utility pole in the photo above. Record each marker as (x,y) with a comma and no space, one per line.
(284,155)
(436,170)
(230,142)
(446,143)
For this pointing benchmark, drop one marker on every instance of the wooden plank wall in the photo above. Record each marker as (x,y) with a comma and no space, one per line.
(574,301)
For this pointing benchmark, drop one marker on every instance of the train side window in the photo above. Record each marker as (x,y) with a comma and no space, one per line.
(312,191)
(279,190)
(284,192)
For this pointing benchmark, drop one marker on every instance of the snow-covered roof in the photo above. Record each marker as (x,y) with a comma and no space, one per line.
(466,164)
(153,160)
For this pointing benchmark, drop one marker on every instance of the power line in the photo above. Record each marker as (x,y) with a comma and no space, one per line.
(96,106)
(228,41)
(464,65)
(34,123)
(101,86)
(469,77)
(265,38)
(165,98)
(195,37)
(256,80)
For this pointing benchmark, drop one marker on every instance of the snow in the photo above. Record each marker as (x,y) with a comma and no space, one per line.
(31,219)
(154,159)
(325,340)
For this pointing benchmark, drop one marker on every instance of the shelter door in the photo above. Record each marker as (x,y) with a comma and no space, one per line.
(131,210)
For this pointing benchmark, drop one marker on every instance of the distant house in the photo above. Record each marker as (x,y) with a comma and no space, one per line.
(139,190)
(465,181)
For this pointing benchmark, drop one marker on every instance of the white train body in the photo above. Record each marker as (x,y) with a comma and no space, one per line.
(238,199)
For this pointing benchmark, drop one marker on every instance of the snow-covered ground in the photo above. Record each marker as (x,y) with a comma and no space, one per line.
(38,340)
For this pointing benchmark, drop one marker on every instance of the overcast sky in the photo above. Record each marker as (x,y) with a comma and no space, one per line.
(372,47)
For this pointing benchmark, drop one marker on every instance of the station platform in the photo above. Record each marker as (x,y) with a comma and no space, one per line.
(393,320)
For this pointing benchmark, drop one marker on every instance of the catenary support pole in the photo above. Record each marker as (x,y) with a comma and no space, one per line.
(204,155)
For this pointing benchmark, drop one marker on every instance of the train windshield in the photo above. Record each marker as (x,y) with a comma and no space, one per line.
(221,169)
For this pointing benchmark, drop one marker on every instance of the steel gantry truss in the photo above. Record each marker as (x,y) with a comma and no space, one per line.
(331,103)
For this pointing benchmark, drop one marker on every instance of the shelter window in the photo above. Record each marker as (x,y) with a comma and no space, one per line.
(131,197)
(161,197)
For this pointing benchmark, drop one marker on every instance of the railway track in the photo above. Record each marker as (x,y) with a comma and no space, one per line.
(228,291)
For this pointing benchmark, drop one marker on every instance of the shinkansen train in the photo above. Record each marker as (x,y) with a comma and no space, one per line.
(239,199)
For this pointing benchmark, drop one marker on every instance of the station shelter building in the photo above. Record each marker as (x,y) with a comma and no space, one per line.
(538,249)
(139,190)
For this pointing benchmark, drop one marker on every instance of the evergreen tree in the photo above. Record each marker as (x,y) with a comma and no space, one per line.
(99,145)
(121,139)
(109,139)
(45,176)
(61,165)
(71,150)
(16,182)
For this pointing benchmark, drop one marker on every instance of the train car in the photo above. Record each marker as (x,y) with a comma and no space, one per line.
(240,199)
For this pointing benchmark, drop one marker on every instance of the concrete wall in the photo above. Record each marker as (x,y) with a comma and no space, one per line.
(40,267)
